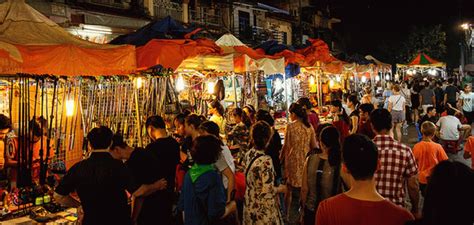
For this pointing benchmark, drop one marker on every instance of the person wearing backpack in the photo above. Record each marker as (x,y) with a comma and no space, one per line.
(261,194)
(203,198)
(322,174)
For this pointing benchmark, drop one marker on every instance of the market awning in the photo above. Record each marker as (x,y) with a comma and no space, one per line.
(170,54)
(423,60)
(218,63)
(248,59)
(46,48)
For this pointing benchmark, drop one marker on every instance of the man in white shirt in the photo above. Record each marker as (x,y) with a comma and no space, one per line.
(466,99)
(449,127)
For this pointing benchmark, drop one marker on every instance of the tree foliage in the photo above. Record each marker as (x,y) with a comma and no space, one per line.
(429,40)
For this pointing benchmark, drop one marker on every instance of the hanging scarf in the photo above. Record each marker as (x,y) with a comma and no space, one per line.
(197,170)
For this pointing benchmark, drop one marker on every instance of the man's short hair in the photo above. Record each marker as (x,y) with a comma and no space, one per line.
(100,137)
(5,122)
(366,107)
(206,149)
(35,128)
(117,141)
(450,111)
(156,122)
(381,119)
(428,128)
(360,155)
(450,80)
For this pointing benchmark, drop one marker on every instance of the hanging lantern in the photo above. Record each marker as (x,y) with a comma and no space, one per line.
(311,80)
(69,107)
(180,83)
(210,87)
(139,82)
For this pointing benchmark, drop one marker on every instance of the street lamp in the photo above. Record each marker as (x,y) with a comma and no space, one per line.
(465,26)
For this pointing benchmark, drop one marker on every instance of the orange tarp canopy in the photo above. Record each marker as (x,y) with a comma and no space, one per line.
(171,53)
(46,48)
(317,52)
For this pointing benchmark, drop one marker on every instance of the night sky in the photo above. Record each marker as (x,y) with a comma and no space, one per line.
(369,24)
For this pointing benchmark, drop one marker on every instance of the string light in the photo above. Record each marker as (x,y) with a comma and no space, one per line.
(180,83)
(69,107)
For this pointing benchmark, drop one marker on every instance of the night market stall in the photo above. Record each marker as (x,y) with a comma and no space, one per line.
(42,94)
(422,65)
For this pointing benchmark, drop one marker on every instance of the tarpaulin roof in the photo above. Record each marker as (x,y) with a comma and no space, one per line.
(45,48)
(318,51)
(423,60)
(248,59)
(220,63)
(166,28)
(170,54)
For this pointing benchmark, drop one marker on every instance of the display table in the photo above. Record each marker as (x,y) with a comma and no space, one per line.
(66,217)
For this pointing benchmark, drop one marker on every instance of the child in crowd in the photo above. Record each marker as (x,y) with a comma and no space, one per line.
(427,154)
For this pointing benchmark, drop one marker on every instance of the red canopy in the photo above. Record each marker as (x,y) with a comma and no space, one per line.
(317,52)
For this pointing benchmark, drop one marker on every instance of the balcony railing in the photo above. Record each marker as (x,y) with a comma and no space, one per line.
(203,18)
(164,8)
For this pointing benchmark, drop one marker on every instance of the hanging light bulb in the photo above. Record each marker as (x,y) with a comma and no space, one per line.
(210,87)
(377,78)
(331,83)
(180,83)
(432,72)
(139,82)
(352,78)
(69,107)
(311,81)
(387,77)
(363,79)
(338,78)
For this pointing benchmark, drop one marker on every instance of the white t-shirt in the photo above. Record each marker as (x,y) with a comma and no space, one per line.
(398,102)
(467,100)
(449,128)
(225,160)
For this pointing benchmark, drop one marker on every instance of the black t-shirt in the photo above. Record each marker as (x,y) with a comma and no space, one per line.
(166,151)
(101,182)
(439,93)
(144,166)
(451,92)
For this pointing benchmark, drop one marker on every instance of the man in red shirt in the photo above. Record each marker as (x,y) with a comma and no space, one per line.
(397,164)
(362,204)
(365,127)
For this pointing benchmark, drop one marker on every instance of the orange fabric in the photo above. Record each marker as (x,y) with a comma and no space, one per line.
(170,53)
(317,52)
(8,65)
(71,60)
(427,155)
(469,147)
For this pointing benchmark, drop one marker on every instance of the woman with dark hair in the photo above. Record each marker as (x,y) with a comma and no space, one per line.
(450,185)
(299,140)
(321,177)
(225,163)
(340,119)
(238,137)
(261,194)
(203,200)
(217,111)
(353,104)
(274,147)
(313,117)
(250,112)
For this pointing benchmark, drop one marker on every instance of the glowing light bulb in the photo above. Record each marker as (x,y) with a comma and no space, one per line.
(180,83)
(311,80)
(69,107)
(363,79)
(338,78)
(139,82)
(377,78)
(210,87)
(331,83)
(387,77)
(432,72)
